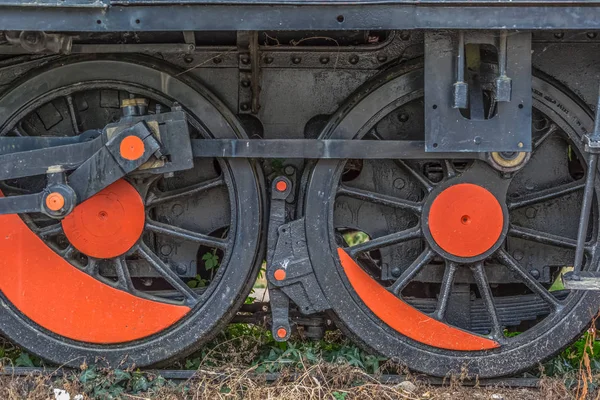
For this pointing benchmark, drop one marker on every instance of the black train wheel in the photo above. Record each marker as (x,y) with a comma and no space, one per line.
(458,270)
(150,268)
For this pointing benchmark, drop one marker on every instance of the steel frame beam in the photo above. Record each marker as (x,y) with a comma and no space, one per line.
(188,15)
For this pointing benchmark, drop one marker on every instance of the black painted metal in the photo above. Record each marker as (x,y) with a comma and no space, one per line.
(128,15)
(461,123)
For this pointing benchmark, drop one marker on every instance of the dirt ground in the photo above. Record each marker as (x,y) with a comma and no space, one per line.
(316,383)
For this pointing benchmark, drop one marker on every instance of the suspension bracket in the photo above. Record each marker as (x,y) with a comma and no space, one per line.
(289,271)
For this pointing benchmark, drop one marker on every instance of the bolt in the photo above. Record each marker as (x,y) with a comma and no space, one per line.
(592,35)
(188,60)
(396,272)
(268,60)
(177,210)
(534,273)
(403,117)
(245,59)
(404,35)
(324,60)
(217,60)
(518,255)
(559,35)
(477,140)
(382,58)
(281,332)
(165,250)
(530,212)
(399,183)
(245,83)
(147,282)
(289,170)
(180,269)
(353,59)
(296,60)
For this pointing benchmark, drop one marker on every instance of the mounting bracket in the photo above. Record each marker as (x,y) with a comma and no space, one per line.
(477,91)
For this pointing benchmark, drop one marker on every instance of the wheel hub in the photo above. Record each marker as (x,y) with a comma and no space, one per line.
(465,220)
(108,224)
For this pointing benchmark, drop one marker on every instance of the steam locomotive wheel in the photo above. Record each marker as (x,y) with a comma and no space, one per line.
(458,264)
(151,267)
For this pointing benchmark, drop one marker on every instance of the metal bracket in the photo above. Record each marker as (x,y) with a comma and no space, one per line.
(472,105)
(249,67)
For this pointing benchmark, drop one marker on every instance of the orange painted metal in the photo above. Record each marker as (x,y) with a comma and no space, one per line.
(405,319)
(55,201)
(64,300)
(281,186)
(132,148)
(107,224)
(465,220)
(279,274)
(281,332)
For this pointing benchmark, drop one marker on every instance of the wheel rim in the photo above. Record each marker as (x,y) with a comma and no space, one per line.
(159,195)
(423,352)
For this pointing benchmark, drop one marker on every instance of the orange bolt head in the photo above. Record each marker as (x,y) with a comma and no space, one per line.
(55,201)
(132,148)
(281,186)
(279,274)
(281,333)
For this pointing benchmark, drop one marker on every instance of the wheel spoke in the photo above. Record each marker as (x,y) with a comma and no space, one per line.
(73,114)
(18,131)
(384,241)
(449,169)
(541,139)
(180,233)
(379,198)
(163,197)
(488,299)
(426,183)
(123,277)
(445,290)
(67,252)
(51,230)
(414,268)
(507,260)
(546,194)
(541,237)
(164,270)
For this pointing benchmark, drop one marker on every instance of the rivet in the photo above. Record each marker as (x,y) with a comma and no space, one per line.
(324,60)
(296,60)
(518,255)
(245,83)
(477,140)
(353,59)
(559,35)
(244,107)
(399,183)
(531,212)
(165,250)
(403,117)
(592,35)
(404,35)
(268,60)
(382,58)
(245,59)
(188,60)
(534,273)
(177,210)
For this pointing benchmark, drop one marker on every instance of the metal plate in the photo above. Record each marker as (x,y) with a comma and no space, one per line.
(446,130)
